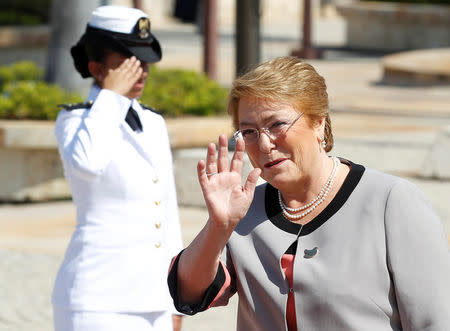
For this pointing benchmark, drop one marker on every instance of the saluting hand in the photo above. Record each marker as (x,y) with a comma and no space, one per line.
(122,79)
(226,199)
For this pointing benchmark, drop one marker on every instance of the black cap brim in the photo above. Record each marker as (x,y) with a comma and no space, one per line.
(145,52)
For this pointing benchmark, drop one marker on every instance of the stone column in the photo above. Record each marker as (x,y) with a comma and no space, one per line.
(68,22)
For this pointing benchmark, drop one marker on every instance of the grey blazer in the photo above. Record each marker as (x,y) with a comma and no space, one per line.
(381,263)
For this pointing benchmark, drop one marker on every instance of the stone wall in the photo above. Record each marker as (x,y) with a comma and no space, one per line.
(395,26)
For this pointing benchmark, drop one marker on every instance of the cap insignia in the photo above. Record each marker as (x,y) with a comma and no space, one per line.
(144,27)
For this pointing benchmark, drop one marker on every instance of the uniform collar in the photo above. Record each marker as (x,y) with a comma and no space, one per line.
(95,90)
(93,93)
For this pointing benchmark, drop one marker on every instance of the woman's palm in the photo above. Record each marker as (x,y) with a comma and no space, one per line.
(225,197)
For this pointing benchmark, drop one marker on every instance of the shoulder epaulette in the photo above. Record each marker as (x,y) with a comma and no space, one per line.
(149,108)
(72,106)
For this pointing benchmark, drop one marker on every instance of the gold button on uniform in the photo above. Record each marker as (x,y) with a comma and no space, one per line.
(158,245)
(155,180)
(157,203)
(158,225)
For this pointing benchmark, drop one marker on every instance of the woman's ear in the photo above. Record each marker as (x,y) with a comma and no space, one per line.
(319,127)
(95,68)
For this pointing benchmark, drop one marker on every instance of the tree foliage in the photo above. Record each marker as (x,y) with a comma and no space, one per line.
(24,12)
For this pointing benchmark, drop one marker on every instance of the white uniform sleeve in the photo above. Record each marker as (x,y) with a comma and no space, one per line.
(418,258)
(87,139)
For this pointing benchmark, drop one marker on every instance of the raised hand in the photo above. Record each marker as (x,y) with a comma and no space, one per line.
(122,79)
(226,199)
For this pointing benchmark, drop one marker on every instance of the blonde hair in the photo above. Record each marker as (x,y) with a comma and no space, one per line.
(285,79)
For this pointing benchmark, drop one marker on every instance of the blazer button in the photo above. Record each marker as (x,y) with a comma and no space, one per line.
(158,245)
(158,225)
(157,203)
(155,180)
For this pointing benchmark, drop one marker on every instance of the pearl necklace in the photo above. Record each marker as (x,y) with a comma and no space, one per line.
(316,201)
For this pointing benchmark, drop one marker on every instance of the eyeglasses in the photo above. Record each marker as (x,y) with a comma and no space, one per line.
(276,130)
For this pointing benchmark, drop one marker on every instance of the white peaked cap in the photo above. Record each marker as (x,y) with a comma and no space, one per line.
(116,18)
(121,29)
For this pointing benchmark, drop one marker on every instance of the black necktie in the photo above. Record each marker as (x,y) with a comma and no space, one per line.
(133,121)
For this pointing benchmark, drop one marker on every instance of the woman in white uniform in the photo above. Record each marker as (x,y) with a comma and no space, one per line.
(117,160)
(325,244)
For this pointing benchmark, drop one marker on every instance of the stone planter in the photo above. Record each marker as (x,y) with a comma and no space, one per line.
(31,169)
(423,67)
(390,26)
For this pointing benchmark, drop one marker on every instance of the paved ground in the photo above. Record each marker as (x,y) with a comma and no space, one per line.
(33,237)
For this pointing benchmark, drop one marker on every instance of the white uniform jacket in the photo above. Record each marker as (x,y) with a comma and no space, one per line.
(127,215)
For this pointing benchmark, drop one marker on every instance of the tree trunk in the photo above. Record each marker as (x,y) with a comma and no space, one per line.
(68,22)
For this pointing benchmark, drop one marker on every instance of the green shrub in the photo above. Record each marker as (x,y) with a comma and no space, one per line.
(19,71)
(25,96)
(175,92)
(6,106)
(33,100)
(430,2)
(12,17)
